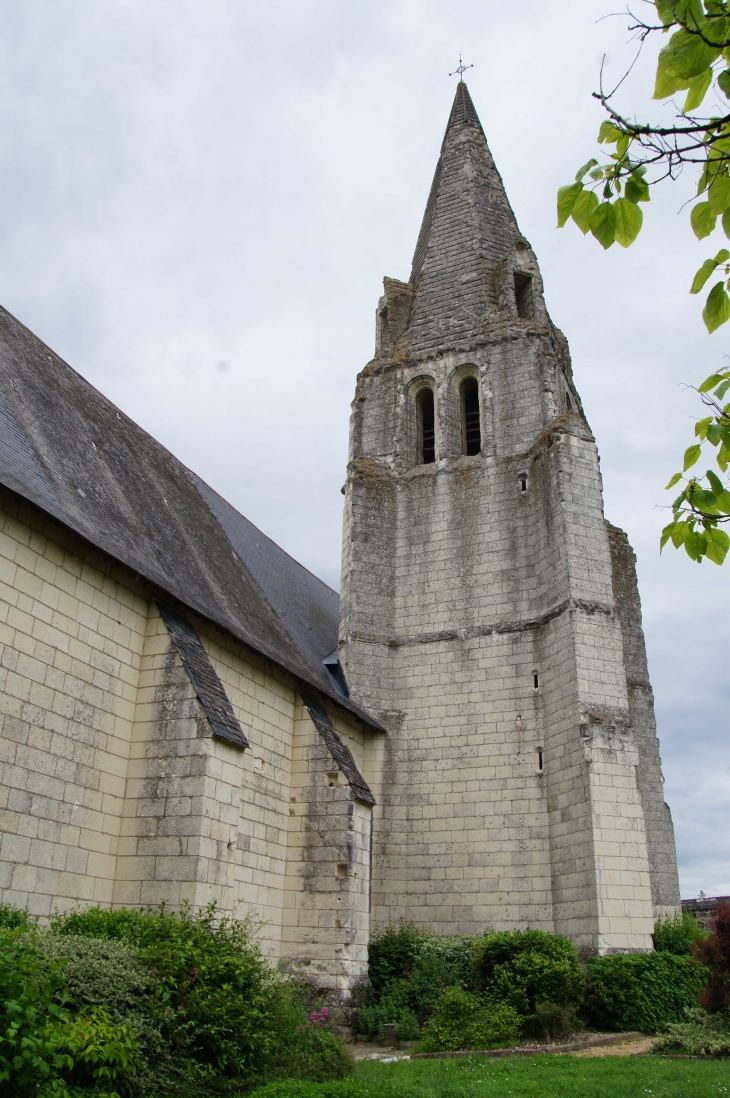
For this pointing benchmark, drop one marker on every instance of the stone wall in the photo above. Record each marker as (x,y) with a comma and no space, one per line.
(114,790)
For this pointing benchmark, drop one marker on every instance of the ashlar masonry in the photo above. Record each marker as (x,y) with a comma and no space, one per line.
(466,739)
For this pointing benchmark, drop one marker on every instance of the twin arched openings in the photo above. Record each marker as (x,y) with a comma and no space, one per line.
(469,419)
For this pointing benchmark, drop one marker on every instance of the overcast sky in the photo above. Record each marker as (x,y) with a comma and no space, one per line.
(199,200)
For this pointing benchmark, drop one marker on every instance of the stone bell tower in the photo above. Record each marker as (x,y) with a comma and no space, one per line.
(490,615)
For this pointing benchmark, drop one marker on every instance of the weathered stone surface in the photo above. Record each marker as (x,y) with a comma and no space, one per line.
(483,619)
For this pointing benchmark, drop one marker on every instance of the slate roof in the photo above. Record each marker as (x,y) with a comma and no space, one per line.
(467,229)
(71,452)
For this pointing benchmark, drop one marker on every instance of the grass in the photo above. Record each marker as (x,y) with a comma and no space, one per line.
(545,1077)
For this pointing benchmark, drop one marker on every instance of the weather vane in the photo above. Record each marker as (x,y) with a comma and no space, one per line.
(461,69)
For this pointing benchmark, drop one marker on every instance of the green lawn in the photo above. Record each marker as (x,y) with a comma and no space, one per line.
(545,1077)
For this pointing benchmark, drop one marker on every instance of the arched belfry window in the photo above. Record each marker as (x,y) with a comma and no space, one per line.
(426,427)
(471,432)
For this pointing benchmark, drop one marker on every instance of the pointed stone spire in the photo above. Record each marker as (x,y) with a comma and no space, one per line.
(467,229)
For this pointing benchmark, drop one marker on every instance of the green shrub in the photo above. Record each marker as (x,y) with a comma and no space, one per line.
(12,918)
(641,991)
(701,1034)
(463,1021)
(198,989)
(523,967)
(30,1052)
(392,955)
(557,1019)
(291,1088)
(102,1055)
(677,934)
(392,1009)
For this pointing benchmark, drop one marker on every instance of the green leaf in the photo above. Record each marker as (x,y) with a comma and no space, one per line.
(702,219)
(701,427)
(679,533)
(585,204)
(566,200)
(726,223)
(686,55)
(695,545)
(719,194)
(723,83)
(637,189)
(666,534)
(629,219)
(665,11)
(718,544)
(586,168)
(697,90)
(710,383)
(722,389)
(608,133)
(717,308)
(717,486)
(602,223)
(708,268)
(691,455)
(675,480)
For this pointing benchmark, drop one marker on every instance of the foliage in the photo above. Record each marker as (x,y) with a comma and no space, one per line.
(393,954)
(695,59)
(714,952)
(524,967)
(462,1020)
(702,1034)
(677,934)
(30,1052)
(409,968)
(12,918)
(101,1053)
(641,991)
(292,1088)
(392,1008)
(220,1004)
(557,1019)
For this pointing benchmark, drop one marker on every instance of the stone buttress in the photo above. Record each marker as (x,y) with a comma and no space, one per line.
(490,617)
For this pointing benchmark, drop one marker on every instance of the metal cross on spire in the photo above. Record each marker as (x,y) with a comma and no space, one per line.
(461,69)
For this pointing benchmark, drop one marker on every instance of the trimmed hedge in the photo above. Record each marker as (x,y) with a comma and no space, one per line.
(642,991)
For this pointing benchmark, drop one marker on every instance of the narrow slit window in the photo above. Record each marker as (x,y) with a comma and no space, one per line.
(523,295)
(471,432)
(523,482)
(535,679)
(426,427)
(539,759)
(568,402)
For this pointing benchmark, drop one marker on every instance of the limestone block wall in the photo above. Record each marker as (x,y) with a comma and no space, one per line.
(487,640)
(113,789)
(327,898)
(72,631)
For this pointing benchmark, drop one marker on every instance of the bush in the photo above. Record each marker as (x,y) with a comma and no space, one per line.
(101,1054)
(641,991)
(714,952)
(701,1034)
(30,1052)
(524,967)
(393,1008)
(208,1010)
(12,918)
(677,934)
(291,1088)
(557,1019)
(392,955)
(464,1021)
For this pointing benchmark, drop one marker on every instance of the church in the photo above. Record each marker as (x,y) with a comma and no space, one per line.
(464,738)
